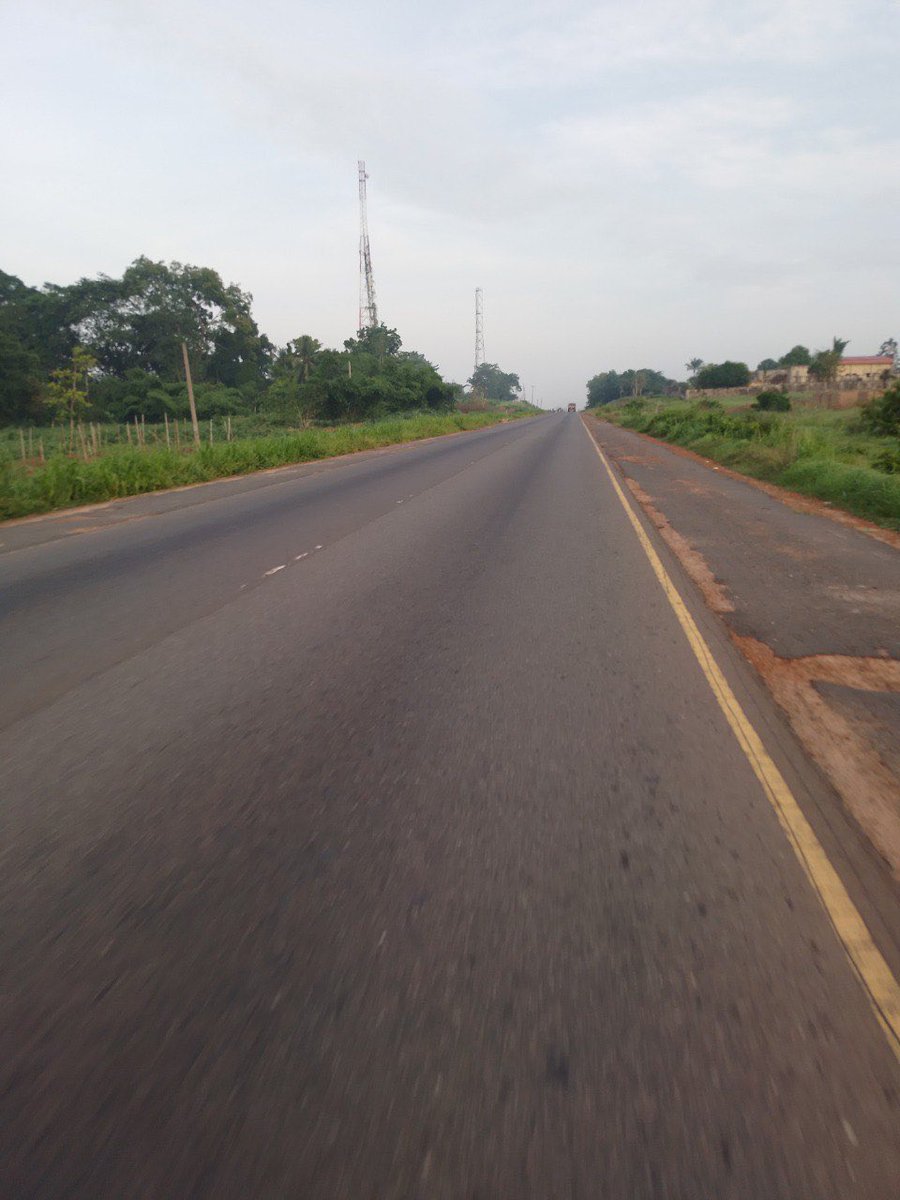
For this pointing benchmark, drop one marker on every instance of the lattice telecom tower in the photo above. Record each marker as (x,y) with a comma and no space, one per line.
(479,329)
(368,309)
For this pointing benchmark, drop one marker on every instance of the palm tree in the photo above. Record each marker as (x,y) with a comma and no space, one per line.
(304,350)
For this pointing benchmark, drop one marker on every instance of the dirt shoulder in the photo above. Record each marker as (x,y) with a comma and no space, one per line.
(813,602)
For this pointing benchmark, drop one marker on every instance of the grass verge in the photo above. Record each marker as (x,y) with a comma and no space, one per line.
(65,481)
(821,453)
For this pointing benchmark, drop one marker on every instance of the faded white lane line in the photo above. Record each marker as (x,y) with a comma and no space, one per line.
(297,557)
(318,547)
(276,569)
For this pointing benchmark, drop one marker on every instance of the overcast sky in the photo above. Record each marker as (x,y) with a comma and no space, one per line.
(632,184)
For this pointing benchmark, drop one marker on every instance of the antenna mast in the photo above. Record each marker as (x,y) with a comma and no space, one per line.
(479,329)
(368,309)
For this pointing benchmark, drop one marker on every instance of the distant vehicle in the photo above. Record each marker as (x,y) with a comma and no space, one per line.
(571,408)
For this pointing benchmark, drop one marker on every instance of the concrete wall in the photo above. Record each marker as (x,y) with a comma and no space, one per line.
(841,394)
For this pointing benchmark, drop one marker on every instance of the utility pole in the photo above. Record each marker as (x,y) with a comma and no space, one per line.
(190,388)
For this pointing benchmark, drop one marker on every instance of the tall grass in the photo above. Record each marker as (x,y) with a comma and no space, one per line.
(65,480)
(821,453)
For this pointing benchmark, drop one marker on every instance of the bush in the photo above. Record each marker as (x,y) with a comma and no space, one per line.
(773,402)
(882,416)
(888,460)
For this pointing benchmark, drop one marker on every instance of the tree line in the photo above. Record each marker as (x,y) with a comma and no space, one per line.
(111,350)
(614,385)
(823,366)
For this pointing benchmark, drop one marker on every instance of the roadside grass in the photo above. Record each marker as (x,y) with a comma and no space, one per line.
(64,480)
(59,439)
(823,453)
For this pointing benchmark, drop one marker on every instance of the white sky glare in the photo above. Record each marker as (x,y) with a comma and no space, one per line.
(631,183)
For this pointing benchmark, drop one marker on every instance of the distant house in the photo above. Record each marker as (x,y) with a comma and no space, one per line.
(865,366)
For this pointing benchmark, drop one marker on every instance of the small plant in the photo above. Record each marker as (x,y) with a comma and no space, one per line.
(635,405)
(772,402)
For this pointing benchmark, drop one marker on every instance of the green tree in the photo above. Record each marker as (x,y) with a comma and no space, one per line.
(20,380)
(41,320)
(495,385)
(287,397)
(723,375)
(645,382)
(693,365)
(603,389)
(304,350)
(767,364)
(377,340)
(798,356)
(633,382)
(67,391)
(141,320)
(825,363)
(241,355)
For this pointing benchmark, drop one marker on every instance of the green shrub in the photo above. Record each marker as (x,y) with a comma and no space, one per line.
(773,402)
(888,460)
(882,416)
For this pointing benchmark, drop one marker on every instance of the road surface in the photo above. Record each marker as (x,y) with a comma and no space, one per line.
(371,831)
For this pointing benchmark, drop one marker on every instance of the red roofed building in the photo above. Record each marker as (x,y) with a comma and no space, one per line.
(865,366)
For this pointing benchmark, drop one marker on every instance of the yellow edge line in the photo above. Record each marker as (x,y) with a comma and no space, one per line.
(867,961)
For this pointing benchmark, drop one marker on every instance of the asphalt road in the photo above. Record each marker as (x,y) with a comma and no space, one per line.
(423,867)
